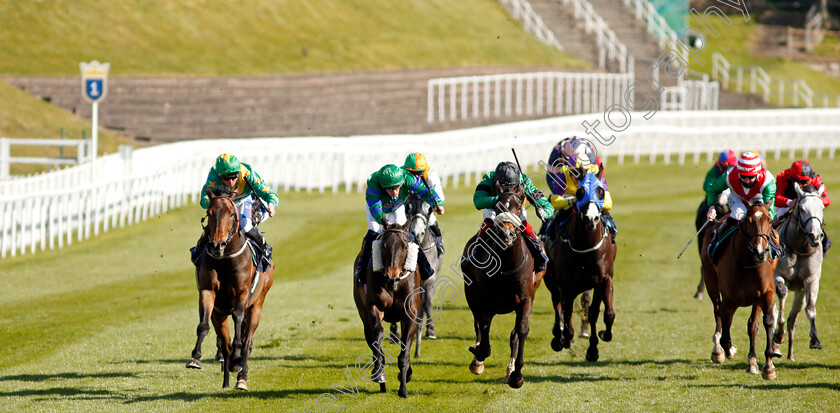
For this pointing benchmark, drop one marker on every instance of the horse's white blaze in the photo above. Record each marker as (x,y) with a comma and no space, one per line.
(758,214)
(591,211)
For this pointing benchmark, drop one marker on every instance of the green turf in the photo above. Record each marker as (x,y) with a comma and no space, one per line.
(107,324)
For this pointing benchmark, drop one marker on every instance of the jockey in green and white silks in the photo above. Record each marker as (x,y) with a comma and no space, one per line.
(507,175)
(240,178)
(748,182)
(387,190)
(416,164)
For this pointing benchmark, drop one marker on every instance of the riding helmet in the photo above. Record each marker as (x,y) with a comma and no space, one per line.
(507,174)
(749,164)
(390,176)
(415,163)
(227,164)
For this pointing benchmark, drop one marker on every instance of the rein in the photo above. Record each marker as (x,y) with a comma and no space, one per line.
(597,246)
(795,217)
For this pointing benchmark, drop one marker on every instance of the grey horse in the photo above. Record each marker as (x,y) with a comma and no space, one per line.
(800,267)
(419,213)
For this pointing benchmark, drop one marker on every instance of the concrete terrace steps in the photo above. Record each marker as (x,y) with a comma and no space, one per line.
(160,109)
(568,31)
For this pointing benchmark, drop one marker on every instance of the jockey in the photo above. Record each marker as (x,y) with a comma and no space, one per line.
(507,175)
(726,160)
(563,178)
(241,179)
(803,173)
(387,190)
(417,165)
(748,182)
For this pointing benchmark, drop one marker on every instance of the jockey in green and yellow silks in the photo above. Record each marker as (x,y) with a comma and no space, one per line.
(418,166)
(387,190)
(238,177)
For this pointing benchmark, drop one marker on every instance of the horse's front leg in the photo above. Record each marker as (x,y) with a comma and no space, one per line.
(252,321)
(238,316)
(585,302)
(782,293)
(752,329)
(373,334)
(482,327)
(812,289)
(727,311)
(768,307)
(796,307)
(523,316)
(557,330)
(221,326)
(594,313)
(568,336)
(408,328)
(206,298)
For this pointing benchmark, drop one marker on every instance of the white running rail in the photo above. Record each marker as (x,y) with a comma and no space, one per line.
(813,28)
(58,208)
(523,94)
(532,23)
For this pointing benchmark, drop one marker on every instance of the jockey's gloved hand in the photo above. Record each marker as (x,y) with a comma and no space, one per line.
(711,214)
(541,214)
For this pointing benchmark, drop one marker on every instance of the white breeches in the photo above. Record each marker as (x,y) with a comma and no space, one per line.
(248,211)
(395,217)
(490,213)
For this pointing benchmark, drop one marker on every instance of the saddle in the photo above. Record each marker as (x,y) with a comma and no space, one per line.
(715,250)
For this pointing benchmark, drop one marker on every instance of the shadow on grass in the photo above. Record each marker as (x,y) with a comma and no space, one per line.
(63,393)
(768,385)
(611,363)
(43,377)
(232,394)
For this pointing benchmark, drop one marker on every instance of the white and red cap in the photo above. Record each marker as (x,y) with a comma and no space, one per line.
(749,164)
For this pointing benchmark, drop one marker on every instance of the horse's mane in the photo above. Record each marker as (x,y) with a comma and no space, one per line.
(809,187)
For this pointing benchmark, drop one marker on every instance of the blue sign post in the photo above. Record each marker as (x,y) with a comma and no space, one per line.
(94,89)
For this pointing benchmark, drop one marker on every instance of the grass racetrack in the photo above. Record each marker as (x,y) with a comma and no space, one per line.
(107,324)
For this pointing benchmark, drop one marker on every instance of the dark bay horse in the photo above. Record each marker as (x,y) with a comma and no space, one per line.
(499,278)
(800,267)
(229,285)
(743,277)
(582,259)
(721,207)
(419,213)
(390,294)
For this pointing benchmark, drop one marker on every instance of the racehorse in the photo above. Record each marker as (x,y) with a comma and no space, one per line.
(229,285)
(582,259)
(721,207)
(800,266)
(392,294)
(499,278)
(743,277)
(419,212)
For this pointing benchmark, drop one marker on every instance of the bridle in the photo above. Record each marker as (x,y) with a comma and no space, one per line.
(752,240)
(405,273)
(233,229)
(797,216)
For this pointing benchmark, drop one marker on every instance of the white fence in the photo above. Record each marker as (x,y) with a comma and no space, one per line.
(6,159)
(691,95)
(532,23)
(60,207)
(813,27)
(523,94)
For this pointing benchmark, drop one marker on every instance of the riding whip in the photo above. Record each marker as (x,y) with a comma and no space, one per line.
(692,238)
(530,198)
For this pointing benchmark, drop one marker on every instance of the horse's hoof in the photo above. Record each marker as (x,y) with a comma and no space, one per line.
(476,367)
(379,379)
(592,354)
(241,385)
(382,388)
(698,296)
(752,368)
(408,375)
(732,351)
(556,344)
(815,344)
(605,335)
(194,364)
(779,338)
(717,358)
(775,351)
(584,334)
(403,392)
(768,374)
(219,357)
(515,380)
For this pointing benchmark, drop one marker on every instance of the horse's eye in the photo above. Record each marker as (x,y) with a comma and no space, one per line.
(600,193)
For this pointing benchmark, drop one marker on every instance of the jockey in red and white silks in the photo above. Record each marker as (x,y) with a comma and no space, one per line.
(748,182)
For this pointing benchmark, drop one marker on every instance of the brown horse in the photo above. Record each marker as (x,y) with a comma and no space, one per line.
(499,278)
(229,284)
(721,207)
(390,294)
(743,277)
(582,259)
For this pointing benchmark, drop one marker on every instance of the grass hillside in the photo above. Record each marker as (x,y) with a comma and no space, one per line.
(202,37)
(107,324)
(737,43)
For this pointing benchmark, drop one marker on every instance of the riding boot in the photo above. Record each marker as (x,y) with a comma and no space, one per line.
(610,223)
(426,270)
(195,252)
(364,259)
(535,246)
(826,243)
(256,235)
(435,228)
(721,230)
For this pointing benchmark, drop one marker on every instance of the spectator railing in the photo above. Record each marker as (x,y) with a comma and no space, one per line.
(608,43)
(58,208)
(532,23)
